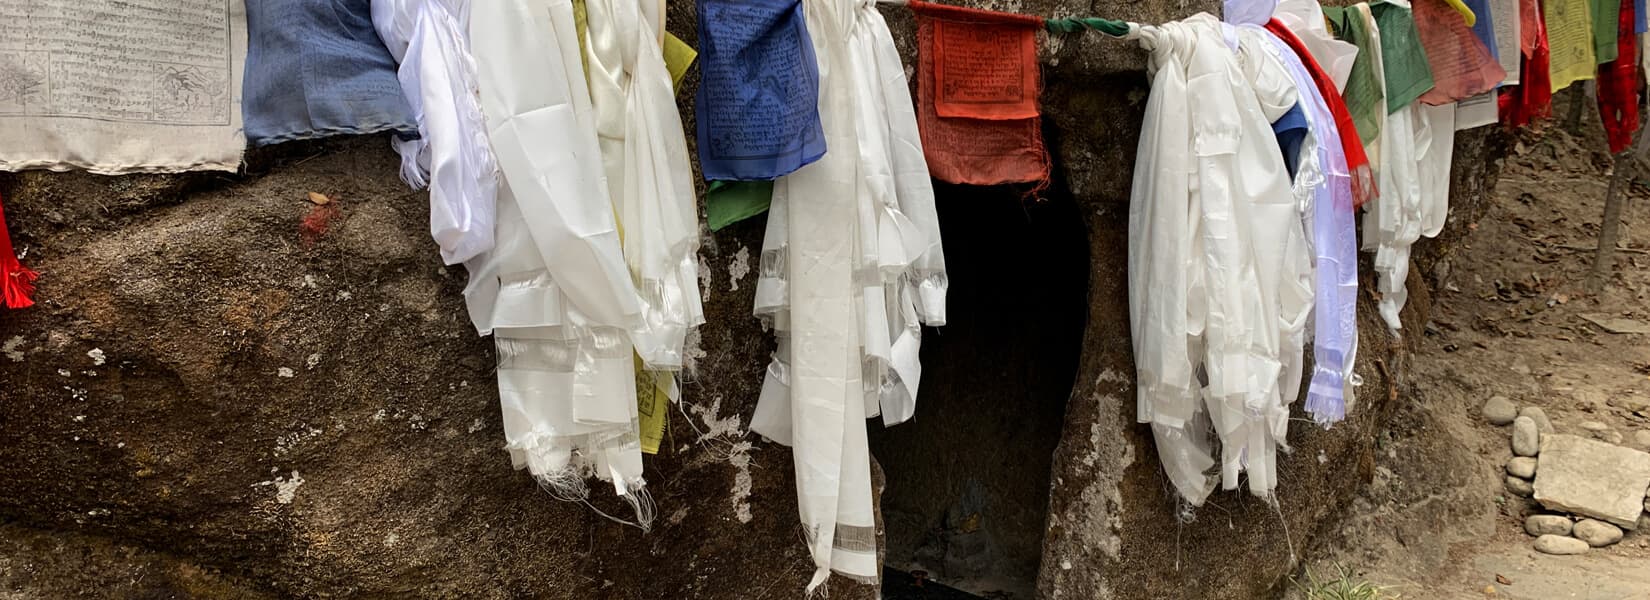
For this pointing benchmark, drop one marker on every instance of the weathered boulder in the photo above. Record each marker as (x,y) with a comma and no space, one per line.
(1592,478)
(282,414)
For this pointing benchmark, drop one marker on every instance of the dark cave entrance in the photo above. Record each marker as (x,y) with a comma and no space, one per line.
(968,478)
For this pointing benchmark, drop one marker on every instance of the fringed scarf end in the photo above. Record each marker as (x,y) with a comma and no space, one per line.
(820,586)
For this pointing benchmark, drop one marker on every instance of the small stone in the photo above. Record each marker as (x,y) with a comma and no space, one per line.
(1610,437)
(1500,411)
(1642,438)
(1535,413)
(1594,426)
(1558,544)
(1597,533)
(1526,439)
(1540,525)
(1521,467)
(1519,487)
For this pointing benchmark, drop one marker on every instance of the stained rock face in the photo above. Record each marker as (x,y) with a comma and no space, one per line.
(283,413)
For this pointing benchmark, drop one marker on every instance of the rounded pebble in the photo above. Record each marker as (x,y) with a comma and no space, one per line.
(1526,438)
(1597,533)
(1500,411)
(1520,487)
(1558,544)
(1535,413)
(1540,525)
(1522,467)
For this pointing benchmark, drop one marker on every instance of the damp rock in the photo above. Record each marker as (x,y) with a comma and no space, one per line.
(1540,525)
(1537,414)
(1500,411)
(1522,467)
(1526,438)
(1560,545)
(1597,533)
(1519,487)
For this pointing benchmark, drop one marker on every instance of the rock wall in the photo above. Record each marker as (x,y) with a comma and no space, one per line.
(214,399)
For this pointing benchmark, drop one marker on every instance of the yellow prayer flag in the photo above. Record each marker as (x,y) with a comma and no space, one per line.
(678,57)
(653,395)
(1570,41)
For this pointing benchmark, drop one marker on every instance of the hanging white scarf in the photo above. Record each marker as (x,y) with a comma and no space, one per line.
(1413,174)
(555,291)
(851,266)
(1213,225)
(430,40)
(644,154)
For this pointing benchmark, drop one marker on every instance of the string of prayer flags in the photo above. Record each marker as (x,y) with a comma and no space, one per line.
(977,92)
(679,57)
(1532,99)
(1618,85)
(122,87)
(729,202)
(1569,41)
(1484,27)
(1404,63)
(16,280)
(1605,14)
(316,68)
(1364,94)
(1508,19)
(1462,65)
(758,101)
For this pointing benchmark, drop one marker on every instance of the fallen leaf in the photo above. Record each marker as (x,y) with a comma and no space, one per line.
(1502,579)
(319,199)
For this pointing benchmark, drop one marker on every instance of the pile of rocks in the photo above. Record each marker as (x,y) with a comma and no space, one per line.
(1593,491)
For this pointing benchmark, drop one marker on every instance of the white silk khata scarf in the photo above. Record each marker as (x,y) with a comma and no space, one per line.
(556,291)
(852,266)
(429,39)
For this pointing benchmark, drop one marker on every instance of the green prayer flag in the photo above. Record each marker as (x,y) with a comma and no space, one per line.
(1363,93)
(1403,60)
(729,202)
(1606,18)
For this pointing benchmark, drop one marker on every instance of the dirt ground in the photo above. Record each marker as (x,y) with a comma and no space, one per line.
(1436,521)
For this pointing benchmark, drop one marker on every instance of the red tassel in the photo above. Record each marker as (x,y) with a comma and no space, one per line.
(16,280)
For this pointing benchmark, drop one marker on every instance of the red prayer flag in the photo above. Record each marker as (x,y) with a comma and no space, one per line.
(1357,162)
(1618,85)
(977,86)
(1462,66)
(16,280)
(1532,98)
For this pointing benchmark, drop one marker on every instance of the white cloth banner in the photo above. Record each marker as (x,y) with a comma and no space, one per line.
(142,86)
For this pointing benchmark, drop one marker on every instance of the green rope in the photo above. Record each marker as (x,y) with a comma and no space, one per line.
(1106,26)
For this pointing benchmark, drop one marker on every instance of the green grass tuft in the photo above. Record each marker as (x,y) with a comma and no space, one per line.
(1341,585)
